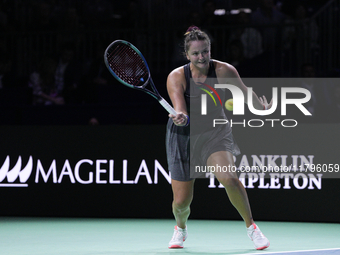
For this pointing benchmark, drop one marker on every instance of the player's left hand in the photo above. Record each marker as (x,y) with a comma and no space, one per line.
(264,102)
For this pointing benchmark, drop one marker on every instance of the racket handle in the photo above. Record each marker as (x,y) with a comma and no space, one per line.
(167,107)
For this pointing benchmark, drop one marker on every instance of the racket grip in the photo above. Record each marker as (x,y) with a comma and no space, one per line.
(167,106)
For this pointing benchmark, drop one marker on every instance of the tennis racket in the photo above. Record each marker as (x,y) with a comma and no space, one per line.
(127,64)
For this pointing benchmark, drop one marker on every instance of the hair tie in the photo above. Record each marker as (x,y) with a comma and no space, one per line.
(192,28)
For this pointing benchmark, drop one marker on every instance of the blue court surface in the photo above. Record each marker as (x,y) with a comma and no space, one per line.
(71,236)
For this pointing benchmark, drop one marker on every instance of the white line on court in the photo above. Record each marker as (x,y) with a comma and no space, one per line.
(283,252)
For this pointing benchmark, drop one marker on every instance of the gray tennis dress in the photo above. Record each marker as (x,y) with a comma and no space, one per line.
(191,146)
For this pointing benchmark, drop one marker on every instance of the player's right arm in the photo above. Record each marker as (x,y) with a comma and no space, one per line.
(176,86)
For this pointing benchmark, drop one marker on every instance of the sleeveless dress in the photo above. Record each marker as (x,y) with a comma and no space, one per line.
(191,146)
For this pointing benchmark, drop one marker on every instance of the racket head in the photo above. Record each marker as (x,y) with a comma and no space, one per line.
(127,64)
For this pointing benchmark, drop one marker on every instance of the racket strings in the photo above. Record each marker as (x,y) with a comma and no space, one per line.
(128,65)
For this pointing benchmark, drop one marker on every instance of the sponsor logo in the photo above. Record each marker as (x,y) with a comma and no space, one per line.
(275,172)
(84,171)
(256,171)
(276,181)
(17,173)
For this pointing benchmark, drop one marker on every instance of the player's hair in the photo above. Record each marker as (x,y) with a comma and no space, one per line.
(193,33)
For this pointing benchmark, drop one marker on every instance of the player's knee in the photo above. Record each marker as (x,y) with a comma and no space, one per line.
(182,203)
(230,182)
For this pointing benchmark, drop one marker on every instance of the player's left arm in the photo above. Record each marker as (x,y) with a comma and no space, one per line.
(228,74)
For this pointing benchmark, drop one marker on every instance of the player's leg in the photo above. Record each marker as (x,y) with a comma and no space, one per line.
(235,190)
(237,195)
(182,198)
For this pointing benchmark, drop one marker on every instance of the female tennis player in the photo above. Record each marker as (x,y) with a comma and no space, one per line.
(213,148)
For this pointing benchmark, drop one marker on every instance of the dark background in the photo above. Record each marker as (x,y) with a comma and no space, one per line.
(33,31)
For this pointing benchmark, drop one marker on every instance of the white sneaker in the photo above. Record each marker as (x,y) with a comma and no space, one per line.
(260,241)
(178,238)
